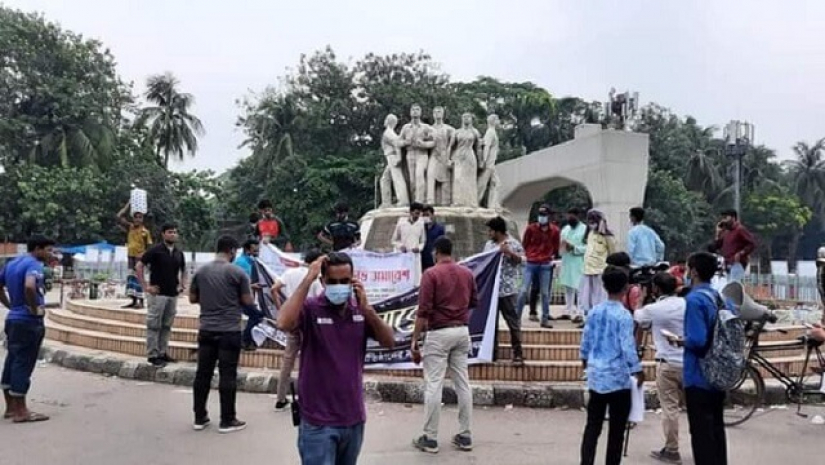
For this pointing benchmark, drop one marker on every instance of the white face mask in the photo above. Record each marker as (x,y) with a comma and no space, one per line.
(426,219)
(543,219)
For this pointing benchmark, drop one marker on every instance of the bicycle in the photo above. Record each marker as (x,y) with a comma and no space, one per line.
(749,393)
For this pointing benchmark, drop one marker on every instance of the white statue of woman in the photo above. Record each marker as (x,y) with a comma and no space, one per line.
(467,142)
(393,176)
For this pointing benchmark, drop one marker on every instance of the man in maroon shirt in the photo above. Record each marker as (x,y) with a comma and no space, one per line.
(448,291)
(334,328)
(734,243)
(541,246)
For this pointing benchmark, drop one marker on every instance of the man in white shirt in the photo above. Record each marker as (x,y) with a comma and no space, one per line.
(668,314)
(282,289)
(410,235)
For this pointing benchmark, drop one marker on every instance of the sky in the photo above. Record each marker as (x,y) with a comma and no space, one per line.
(760,61)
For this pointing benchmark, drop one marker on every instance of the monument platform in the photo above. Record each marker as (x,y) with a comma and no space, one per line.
(552,355)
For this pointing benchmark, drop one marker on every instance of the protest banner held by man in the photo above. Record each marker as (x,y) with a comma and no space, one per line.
(334,329)
(222,290)
(247,262)
(138,240)
(511,260)
(447,292)
(608,353)
(341,233)
(167,279)
(666,313)
(24,279)
(286,285)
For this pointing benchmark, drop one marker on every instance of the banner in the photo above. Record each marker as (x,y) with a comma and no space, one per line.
(278,261)
(399,312)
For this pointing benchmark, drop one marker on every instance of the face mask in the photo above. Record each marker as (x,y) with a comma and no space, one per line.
(543,219)
(337,294)
(426,219)
(592,226)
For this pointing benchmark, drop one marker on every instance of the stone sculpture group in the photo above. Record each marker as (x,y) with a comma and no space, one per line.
(444,165)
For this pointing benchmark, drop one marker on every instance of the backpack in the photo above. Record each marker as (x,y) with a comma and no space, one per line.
(724,360)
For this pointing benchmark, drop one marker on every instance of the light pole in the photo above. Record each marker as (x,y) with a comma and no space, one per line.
(738,137)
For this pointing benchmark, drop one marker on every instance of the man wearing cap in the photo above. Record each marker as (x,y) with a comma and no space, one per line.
(541,246)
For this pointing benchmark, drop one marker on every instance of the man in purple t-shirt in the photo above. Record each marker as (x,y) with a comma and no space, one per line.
(334,328)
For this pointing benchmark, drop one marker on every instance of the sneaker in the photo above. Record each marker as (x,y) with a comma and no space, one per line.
(533,318)
(157,362)
(166,358)
(546,325)
(425,444)
(463,442)
(201,424)
(281,405)
(667,456)
(232,426)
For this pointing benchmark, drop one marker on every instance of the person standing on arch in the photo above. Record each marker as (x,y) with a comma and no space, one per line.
(600,245)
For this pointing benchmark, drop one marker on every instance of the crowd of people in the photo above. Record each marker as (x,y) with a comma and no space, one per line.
(324,310)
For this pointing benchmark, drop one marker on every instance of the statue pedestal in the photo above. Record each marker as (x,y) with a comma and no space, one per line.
(464,225)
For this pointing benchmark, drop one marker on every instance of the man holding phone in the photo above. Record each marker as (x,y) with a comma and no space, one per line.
(26,302)
(334,330)
(666,319)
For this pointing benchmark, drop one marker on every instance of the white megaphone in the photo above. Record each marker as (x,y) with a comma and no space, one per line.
(745,306)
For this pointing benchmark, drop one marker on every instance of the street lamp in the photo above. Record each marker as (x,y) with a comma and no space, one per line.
(738,137)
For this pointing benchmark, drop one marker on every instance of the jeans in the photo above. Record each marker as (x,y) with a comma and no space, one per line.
(544,272)
(507,308)
(736,272)
(23,339)
(329,445)
(619,404)
(253,318)
(443,349)
(160,315)
(705,410)
(535,288)
(223,348)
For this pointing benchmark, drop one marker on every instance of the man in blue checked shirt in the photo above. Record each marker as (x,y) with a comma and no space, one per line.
(644,246)
(608,352)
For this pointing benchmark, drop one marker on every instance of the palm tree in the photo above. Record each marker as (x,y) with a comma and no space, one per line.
(86,144)
(172,130)
(807,174)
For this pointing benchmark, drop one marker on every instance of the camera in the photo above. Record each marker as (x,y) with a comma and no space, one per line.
(643,277)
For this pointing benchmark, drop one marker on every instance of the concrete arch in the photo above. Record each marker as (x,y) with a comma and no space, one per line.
(611,165)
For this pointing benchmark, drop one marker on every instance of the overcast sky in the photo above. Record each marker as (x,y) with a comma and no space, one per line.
(763,61)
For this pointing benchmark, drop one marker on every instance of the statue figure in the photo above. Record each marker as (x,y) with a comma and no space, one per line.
(487,164)
(417,137)
(393,176)
(467,141)
(439,170)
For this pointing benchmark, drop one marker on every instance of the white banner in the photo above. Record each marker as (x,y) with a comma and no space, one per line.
(278,261)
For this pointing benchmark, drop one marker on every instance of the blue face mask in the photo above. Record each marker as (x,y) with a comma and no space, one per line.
(543,219)
(338,294)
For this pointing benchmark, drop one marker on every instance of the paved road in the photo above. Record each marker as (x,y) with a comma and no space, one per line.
(103,421)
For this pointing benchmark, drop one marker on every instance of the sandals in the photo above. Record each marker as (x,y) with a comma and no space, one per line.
(31,418)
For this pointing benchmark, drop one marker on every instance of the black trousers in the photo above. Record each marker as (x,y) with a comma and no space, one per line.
(507,307)
(619,404)
(223,349)
(705,411)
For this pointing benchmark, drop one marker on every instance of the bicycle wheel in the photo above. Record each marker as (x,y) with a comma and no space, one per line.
(743,400)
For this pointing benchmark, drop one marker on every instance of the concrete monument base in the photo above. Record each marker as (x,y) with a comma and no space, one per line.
(464,225)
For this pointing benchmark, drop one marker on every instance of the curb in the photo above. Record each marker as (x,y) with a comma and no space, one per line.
(376,388)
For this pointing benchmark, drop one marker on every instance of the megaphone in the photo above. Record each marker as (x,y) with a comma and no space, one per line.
(745,306)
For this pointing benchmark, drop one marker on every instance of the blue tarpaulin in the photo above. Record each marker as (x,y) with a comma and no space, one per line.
(101,246)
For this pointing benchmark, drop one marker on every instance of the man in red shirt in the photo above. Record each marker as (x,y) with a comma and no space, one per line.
(447,293)
(734,243)
(541,246)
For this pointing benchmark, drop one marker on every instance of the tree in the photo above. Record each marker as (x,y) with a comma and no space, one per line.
(772,212)
(807,181)
(173,130)
(60,97)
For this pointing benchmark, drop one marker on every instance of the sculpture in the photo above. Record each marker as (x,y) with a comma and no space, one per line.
(467,141)
(439,169)
(487,164)
(393,176)
(622,109)
(417,137)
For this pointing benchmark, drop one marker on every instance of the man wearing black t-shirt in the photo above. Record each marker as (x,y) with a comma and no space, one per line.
(167,279)
(342,233)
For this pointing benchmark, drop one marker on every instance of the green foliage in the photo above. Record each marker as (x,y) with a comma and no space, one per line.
(682,218)
(775,211)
